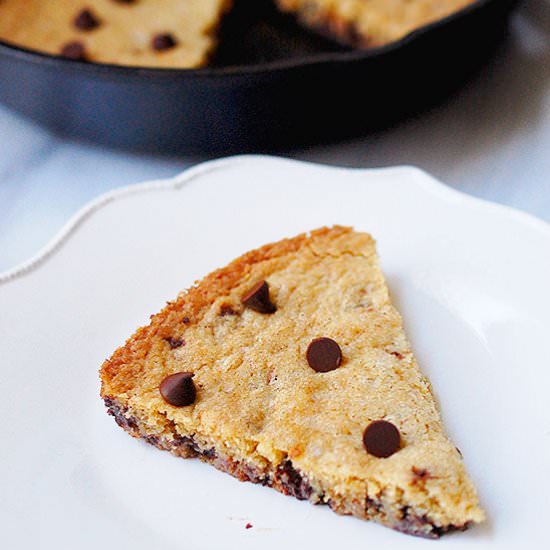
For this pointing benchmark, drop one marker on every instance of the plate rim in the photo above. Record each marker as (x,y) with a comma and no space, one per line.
(375,182)
(423,179)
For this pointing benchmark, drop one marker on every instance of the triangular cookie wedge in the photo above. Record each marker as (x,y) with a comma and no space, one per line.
(290,368)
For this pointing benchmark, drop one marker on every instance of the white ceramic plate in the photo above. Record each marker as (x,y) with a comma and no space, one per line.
(470,278)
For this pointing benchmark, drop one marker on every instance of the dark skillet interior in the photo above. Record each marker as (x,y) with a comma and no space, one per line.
(256,33)
(271,85)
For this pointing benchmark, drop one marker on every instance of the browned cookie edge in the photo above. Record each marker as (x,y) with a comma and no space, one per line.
(284,478)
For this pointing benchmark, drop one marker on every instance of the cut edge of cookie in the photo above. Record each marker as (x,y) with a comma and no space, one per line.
(285,478)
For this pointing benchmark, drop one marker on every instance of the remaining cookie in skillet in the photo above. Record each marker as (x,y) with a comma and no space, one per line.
(290,368)
(369,23)
(147,33)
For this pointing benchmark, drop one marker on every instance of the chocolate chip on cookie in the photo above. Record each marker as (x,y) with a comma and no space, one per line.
(74,50)
(175,342)
(381,438)
(324,355)
(179,389)
(86,21)
(164,41)
(257,298)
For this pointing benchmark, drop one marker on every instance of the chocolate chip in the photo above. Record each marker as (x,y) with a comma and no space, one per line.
(324,355)
(178,389)
(257,298)
(86,21)
(186,320)
(175,342)
(74,50)
(292,482)
(162,42)
(381,439)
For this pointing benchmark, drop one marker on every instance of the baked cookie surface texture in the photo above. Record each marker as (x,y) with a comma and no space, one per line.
(290,368)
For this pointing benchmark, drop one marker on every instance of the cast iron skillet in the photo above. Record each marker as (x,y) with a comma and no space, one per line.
(272,85)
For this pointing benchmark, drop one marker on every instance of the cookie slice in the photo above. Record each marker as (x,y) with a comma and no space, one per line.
(145,33)
(369,23)
(290,368)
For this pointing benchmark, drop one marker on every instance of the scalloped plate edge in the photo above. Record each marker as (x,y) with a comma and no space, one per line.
(425,181)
